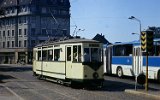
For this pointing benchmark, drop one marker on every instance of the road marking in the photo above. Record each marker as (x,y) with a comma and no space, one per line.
(19,97)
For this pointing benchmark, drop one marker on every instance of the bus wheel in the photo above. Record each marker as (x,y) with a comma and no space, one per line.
(158,76)
(119,72)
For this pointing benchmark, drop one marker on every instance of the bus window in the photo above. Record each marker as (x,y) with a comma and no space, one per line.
(39,55)
(56,54)
(156,50)
(44,55)
(68,53)
(50,55)
(86,55)
(122,50)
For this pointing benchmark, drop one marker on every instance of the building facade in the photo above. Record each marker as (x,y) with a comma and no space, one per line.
(156,31)
(26,23)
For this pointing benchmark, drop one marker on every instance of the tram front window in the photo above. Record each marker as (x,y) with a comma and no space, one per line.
(95,55)
(92,55)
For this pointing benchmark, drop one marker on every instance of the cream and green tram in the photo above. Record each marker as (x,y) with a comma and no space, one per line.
(70,61)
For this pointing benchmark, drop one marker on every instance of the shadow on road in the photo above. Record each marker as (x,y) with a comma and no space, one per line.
(4,77)
(115,86)
(14,69)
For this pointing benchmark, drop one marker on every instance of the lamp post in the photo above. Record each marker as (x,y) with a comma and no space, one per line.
(134,18)
(139,62)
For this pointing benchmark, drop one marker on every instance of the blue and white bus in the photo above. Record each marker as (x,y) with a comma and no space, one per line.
(128,60)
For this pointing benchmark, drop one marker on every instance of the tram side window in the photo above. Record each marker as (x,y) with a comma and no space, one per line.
(74,53)
(50,55)
(56,54)
(39,55)
(44,55)
(77,53)
(86,55)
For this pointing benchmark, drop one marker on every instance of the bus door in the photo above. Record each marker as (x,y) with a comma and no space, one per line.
(107,60)
(68,61)
(137,60)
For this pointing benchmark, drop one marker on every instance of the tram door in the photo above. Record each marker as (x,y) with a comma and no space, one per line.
(68,61)
(137,60)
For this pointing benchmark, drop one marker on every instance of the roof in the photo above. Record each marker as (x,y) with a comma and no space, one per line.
(101,38)
(79,40)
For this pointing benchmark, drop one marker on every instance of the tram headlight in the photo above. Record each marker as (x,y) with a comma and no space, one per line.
(95,75)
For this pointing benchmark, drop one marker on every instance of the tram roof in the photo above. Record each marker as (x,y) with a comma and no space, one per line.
(76,40)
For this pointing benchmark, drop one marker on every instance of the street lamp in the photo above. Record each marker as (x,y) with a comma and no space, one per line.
(136,34)
(134,18)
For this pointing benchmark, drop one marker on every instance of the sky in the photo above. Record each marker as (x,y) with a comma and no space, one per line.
(110,17)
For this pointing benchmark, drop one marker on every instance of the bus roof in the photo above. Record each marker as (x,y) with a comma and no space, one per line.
(135,43)
(74,40)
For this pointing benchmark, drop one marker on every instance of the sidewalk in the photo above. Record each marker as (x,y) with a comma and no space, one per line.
(150,93)
(8,94)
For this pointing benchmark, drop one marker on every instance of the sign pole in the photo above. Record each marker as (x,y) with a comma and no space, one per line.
(146,85)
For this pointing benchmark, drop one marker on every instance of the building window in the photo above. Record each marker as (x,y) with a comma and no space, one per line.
(21,9)
(8,44)
(20,43)
(12,43)
(7,22)
(3,44)
(20,20)
(44,32)
(25,31)
(8,32)
(54,31)
(33,31)
(13,10)
(0,34)
(44,10)
(24,19)
(3,33)
(25,43)
(33,19)
(20,31)
(64,32)
(12,32)
(25,8)
(13,21)
(33,42)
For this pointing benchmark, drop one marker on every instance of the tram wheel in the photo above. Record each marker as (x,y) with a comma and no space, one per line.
(119,72)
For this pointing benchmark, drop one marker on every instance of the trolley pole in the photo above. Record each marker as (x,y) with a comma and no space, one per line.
(146,85)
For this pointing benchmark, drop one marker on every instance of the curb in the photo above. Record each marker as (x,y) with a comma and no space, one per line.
(147,94)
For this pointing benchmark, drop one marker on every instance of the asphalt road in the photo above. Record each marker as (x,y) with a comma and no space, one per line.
(19,79)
